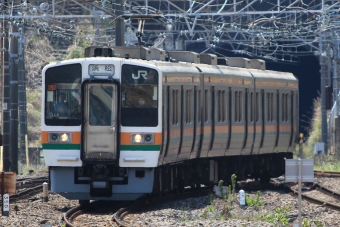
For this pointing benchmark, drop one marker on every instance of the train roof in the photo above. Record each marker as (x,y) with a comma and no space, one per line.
(183,62)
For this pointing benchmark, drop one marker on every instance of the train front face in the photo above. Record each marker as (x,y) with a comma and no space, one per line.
(101,128)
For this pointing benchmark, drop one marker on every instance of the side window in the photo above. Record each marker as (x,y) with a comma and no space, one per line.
(188,106)
(221,106)
(206,108)
(257,107)
(251,107)
(270,107)
(199,102)
(238,106)
(175,107)
(284,111)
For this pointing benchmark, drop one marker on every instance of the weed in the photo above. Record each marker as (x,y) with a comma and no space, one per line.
(186,220)
(278,218)
(183,208)
(318,223)
(228,206)
(211,208)
(233,182)
(305,222)
(220,186)
(255,202)
(210,198)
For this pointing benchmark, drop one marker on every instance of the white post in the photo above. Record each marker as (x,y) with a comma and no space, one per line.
(300,167)
(242,198)
(45,192)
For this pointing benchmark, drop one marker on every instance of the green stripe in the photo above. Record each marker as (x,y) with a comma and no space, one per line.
(140,147)
(61,146)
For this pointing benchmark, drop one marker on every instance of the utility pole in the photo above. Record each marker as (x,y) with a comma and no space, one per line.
(119,24)
(22,96)
(325,72)
(5,102)
(13,56)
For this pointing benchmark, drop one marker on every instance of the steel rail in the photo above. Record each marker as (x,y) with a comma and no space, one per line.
(323,173)
(71,214)
(318,201)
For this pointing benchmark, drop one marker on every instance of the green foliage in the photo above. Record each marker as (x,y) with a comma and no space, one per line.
(75,52)
(220,186)
(228,206)
(183,208)
(255,202)
(305,222)
(328,166)
(210,198)
(278,218)
(318,223)
(211,208)
(35,168)
(314,130)
(33,97)
(233,182)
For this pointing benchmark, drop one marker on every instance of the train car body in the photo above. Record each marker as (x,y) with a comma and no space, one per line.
(118,128)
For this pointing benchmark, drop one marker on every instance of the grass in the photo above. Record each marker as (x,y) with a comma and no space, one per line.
(35,168)
(330,166)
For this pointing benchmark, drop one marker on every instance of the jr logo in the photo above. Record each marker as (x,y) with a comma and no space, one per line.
(140,73)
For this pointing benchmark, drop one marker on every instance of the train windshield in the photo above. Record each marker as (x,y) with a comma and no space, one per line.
(139,96)
(63,96)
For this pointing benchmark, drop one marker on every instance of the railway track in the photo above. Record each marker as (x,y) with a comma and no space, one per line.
(315,193)
(27,187)
(117,219)
(318,194)
(323,173)
(74,215)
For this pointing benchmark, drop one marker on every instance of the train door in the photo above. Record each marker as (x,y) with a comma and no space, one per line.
(100,114)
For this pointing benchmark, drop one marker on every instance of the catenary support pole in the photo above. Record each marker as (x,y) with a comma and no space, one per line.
(22,97)
(13,56)
(5,101)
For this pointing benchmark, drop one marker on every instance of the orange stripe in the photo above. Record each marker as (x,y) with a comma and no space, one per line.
(125,138)
(75,137)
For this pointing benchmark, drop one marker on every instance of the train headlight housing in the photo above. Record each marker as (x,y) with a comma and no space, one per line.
(148,138)
(64,137)
(137,138)
(141,138)
(60,137)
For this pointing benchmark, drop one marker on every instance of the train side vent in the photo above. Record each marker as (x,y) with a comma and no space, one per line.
(238,62)
(258,64)
(185,56)
(210,59)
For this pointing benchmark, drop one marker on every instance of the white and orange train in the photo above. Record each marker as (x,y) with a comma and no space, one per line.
(125,122)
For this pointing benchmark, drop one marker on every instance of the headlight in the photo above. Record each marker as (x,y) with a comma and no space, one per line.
(60,137)
(64,137)
(137,138)
(141,138)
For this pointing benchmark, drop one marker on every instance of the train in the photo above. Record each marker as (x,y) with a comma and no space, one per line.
(125,122)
